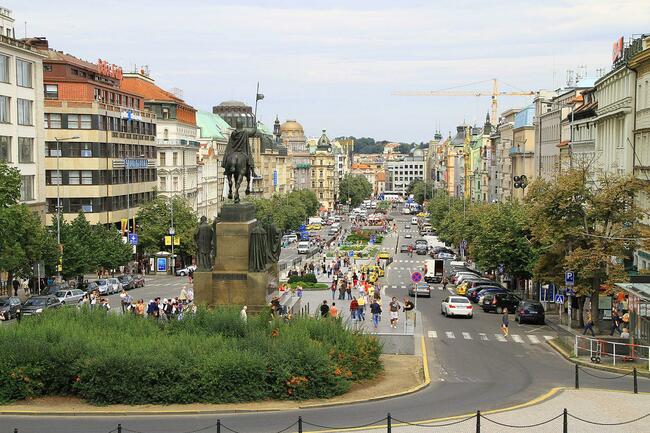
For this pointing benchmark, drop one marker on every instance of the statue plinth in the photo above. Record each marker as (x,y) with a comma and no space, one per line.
(230,282)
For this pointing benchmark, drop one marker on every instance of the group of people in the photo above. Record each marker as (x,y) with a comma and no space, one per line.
(358,309)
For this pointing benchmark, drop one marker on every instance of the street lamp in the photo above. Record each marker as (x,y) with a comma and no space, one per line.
(59,265)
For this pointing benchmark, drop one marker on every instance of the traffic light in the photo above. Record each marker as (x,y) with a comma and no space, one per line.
(520,181)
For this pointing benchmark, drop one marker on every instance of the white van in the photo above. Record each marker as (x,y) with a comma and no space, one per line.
(315,220)
(414,220)
(336,226)
(303,247)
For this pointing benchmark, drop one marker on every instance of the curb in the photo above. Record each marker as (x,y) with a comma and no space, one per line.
(566,355)
(416,388)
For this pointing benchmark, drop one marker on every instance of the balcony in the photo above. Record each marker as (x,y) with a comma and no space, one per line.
(177,142)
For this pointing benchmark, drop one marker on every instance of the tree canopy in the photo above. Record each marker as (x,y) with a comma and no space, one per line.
(154,221)
(287,211)
(355,189)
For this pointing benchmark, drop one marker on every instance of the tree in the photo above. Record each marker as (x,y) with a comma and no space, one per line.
(420,190)
(405,148)
(111,251)
(154,221)
(287,211)
(9,185)
(354,189)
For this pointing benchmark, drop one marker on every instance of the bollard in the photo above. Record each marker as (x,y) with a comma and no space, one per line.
(218,426)
(299,424)
(119,428)
(478,421)
(577,380)
(565,421)
(389,427)
(636,384)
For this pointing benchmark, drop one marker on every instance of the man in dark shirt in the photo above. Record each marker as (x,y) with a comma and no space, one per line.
(324,309)
(408,305)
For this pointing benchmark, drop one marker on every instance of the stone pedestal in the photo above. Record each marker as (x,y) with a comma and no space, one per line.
(230,282)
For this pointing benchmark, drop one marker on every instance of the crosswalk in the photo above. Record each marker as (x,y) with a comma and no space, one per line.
(482,336)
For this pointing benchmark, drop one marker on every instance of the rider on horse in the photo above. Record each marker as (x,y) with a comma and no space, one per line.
(239,142)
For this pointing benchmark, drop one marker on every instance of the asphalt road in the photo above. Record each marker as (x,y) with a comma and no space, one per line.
(479,372)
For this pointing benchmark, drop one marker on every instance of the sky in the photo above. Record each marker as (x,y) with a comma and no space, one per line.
(334,64)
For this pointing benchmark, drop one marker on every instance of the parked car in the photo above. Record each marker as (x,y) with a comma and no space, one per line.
(456,306)
(70,297)
(408,236)
(473,291)
(126,281)
(479,294)
(53,288)
(530,311)
(117,286)
(9,307)
(470,283)
(138,280)
(38,304)
(498,301)
(183,272)
(421,288)
(103,287)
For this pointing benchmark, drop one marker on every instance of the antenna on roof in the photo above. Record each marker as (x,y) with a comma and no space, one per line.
(177,92)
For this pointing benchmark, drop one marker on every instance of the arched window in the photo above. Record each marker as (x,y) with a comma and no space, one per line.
(165,134)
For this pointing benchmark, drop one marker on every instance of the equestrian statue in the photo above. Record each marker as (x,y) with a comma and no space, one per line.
(238,159)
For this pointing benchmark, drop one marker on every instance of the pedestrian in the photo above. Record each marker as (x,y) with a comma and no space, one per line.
(361,308)
(589,324)
(16,286)
(348,290)
(616,324)
(190,295)
(445,281)
(123,302)
(333,289)
(324,309)
(375,310)
(334,312)
(242,314)
(394,308)
(505,321)
(183,295)
(408,305)
(139,308)
(354,306)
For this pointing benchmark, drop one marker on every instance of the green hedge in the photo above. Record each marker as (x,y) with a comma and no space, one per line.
(307,278)
(209,357)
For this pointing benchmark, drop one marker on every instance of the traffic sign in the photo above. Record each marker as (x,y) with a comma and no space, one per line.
(351,253)
(463,243)
(501,268)
(559,299)
(133,239)
(416,277)
(569,278)
(569,292)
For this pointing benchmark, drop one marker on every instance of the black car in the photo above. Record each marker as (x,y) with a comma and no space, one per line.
(498,301)
(530,311)
(127,282)
(138,280)
(56,287)
(38,304)
(9,306)
(474,295)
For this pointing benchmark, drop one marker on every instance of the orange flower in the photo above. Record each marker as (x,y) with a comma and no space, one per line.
(275,333)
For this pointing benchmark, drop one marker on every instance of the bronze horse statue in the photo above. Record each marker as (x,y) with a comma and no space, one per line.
(238,161)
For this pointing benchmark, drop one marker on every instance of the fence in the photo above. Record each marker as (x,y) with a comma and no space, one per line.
(599,350)
(475,423)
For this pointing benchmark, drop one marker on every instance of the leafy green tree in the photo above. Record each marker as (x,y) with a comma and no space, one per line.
(111,252)
(78,247)
(9,185)
(154,221)
(421,190)
(355,189)
(405,148)
(287,211)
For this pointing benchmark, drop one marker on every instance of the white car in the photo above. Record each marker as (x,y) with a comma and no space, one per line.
(72,296)
(183,272)
(456,306)
(114,285)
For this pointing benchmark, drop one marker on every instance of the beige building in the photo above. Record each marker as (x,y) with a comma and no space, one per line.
(503,161)
(213,134)
(523,149)
(323,173)
(22,137)
(292,137)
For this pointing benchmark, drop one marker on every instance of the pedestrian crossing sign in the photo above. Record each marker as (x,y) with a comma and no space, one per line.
(559,299)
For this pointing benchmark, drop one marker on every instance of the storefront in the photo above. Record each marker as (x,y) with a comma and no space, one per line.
(638,307)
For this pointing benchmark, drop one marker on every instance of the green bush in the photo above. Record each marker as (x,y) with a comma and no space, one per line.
(208,357)
(307,278)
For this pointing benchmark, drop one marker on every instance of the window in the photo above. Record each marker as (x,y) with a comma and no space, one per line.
(25,149)
(4,109)
(163,183)
(85,122)
(86,151)
(52,91)
(4,68)
(52,121)
(73,121)
(162,159)
(175,159)
(47,68)
(55,177)
(87,177)
(24,73)
(5,148)
(165,113)
(73,177)
(25,116)
(175,184)
(27,188)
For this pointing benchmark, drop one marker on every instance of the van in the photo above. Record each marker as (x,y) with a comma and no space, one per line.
(303,247)
(315,220)
(406,211)
(414,220)
(435,271)
(336,226)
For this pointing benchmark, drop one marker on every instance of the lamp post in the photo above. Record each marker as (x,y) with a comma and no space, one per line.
(59,264)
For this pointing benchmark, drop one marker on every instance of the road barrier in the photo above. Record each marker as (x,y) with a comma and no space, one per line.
(633,373)
(559,422)
(599,350)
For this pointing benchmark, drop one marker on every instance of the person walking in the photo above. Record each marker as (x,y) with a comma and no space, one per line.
(361,307)
(394,308)
(616,322)
(354,306)
(375,310)
(333,289)
(589,324)
(505,321)
(183,295)
(334,312)
(324,309)
(243,315)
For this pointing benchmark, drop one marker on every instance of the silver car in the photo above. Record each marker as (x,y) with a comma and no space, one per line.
(104,287)
(115,284)
(70,297)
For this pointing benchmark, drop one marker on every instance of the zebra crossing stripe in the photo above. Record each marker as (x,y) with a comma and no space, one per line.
(433,334)
(500,337)
(483,336)
(533,339)
(517,338)
(450,334)
(403,287)
(466,336)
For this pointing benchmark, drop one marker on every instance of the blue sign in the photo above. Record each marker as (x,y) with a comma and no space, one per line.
(130,113)
(559,299)
(131,163)
(570,292)
(302,228)
(371,241)
(416,277)
(463,243)
(275,178)
(133,239)
(351,253)
(569,278)
(161,264)
(501,268)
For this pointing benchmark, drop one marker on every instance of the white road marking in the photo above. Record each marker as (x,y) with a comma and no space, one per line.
(403,287)
(548,337)
(500,337)
(450,334)
(450,291)
(466,336)
(483,336)
(433,334)
(517,338)
(533,339)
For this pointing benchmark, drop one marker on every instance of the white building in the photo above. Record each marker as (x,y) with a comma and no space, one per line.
(401,173)
(22,135)
(213,134)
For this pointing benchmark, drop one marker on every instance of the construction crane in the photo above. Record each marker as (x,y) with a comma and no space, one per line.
(494,95)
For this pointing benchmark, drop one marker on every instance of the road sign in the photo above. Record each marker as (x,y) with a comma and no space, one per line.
(569,292)
(351,253)
(569,278)
(133,239)
(559,299)
(463,243)
(416,277)
(172,232)
(501,268)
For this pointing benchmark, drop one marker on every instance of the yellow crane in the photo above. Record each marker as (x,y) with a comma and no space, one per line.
(494,95)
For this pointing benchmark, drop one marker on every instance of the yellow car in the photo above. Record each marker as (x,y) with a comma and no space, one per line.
(461,290)
(370,269)
(384,255)
(372,277)
(314,227)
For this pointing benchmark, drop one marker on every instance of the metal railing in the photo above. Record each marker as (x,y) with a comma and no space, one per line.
(599,350)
